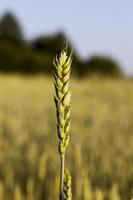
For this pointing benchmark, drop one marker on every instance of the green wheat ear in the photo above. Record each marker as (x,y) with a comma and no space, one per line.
(62,98)
(67,186)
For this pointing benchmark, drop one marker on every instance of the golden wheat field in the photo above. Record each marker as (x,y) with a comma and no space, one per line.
(100,155)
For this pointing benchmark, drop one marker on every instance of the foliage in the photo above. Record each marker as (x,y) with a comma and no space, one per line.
(100,154)
(21,56)
(100,65)
(23,59)
(10,28)
(52,43)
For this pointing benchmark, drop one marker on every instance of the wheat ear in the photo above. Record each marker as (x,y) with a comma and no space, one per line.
(132,195)
(62,99)
(67,186)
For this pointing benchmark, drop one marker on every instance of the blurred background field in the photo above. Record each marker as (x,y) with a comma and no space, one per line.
(100,156)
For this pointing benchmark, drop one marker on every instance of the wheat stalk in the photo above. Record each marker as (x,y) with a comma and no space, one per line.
(62,99)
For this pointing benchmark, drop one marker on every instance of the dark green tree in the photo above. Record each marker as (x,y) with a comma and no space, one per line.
(100,66)
(52,44)
(10,28)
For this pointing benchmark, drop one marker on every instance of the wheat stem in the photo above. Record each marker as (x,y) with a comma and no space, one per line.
(62,177)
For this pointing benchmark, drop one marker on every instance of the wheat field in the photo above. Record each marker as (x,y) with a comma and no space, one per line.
(100,156)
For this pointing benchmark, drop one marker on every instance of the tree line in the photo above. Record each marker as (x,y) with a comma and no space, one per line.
(18,55)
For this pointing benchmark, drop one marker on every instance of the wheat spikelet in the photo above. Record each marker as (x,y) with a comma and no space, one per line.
(99,195)
(61,73)
(1,190)
(17,193)
(67,186)
(114,193)
(30,190)
(87,193)
(42,166)
(132,196)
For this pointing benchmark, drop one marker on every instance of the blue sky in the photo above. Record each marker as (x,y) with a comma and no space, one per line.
(94,26)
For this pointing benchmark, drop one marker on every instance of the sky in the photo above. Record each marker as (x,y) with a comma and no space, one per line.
(102,27)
